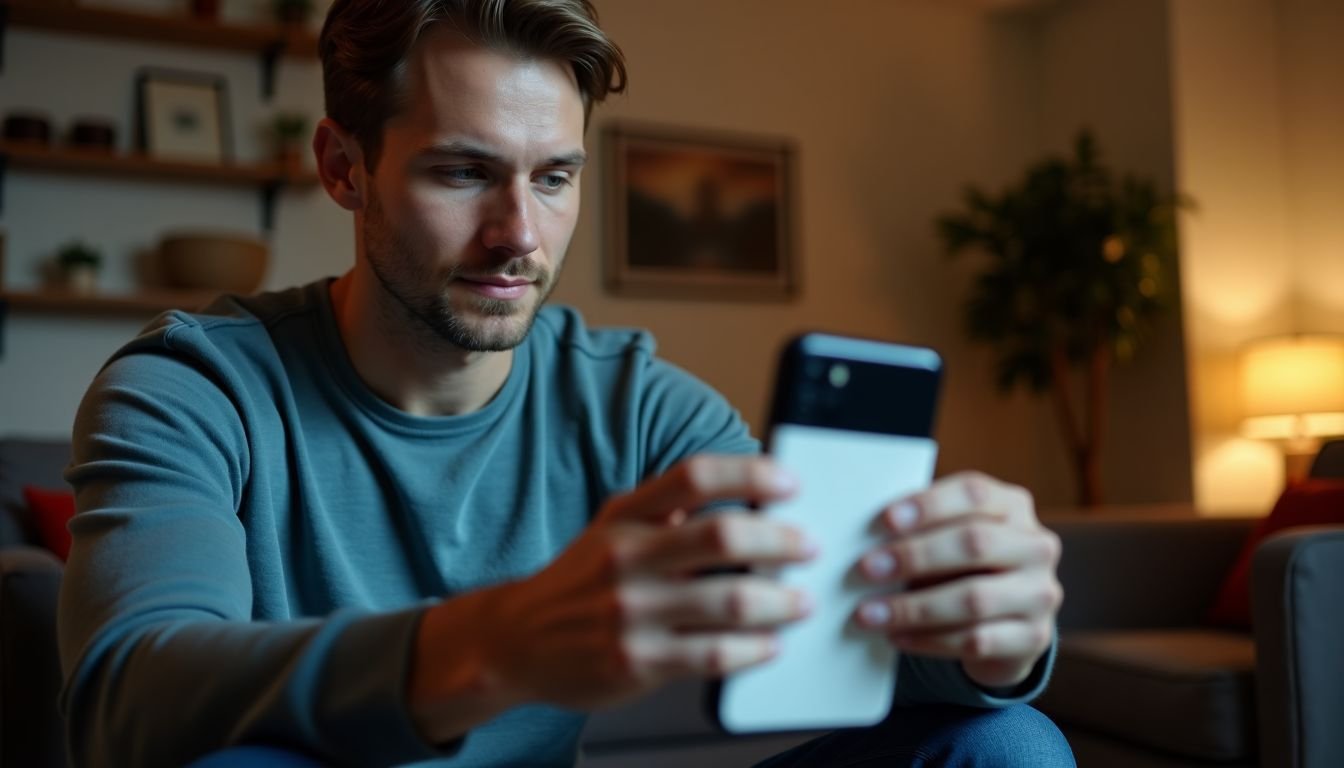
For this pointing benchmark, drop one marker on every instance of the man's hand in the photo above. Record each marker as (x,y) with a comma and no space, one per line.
(622,610)
(980,575)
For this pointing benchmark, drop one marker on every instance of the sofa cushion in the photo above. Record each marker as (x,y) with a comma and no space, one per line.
(1314,501)
(27,462)
(1186,691)
(50,512)
(31,731)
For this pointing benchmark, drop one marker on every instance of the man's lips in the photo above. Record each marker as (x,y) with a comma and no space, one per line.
(497,286)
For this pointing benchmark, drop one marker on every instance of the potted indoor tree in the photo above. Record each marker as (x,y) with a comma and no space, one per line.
(77,265)
(1078,263)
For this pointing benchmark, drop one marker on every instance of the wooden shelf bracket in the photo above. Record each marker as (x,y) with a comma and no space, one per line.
(270,60)
(4,28)
(269,194)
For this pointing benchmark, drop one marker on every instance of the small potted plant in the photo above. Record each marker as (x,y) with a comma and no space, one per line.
(289,130)
(293,11)
(78,265)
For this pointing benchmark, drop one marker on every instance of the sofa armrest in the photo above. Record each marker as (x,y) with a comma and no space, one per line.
(1297,597)
(31,730)
(1124,572)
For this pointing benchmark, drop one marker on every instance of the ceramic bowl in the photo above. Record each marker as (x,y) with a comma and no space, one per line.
(217,261)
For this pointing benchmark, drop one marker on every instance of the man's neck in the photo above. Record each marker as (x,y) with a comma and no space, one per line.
(423,377)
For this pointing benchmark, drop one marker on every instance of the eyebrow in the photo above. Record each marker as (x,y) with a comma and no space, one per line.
(475,152)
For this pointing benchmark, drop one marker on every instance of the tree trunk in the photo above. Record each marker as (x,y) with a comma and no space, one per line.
(1087,475)
(1082,440)
(1089,455)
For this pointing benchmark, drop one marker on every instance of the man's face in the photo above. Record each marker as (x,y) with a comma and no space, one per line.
(476,192)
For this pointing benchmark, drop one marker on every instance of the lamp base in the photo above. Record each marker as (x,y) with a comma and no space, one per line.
(1297,458)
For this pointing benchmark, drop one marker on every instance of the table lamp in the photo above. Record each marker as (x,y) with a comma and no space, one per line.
(1292,391)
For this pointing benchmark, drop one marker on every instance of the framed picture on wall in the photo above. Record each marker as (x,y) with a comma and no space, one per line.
(698,214)
(183,116)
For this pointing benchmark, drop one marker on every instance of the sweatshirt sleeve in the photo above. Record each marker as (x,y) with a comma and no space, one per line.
(681,416)
(162,659)
(923,680)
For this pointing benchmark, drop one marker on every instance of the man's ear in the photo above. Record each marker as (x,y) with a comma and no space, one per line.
(340,164)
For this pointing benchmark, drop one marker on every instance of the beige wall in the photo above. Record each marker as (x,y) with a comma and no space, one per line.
(1312,65)
(1259,105)
(894,105)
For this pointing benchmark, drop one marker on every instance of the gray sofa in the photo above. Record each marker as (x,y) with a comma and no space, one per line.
(1142,682)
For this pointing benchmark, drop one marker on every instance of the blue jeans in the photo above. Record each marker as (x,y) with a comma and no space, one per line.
(941,735)
(915,737)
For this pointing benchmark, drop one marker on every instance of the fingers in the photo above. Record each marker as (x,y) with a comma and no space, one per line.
(996,625)
(658,656)
(720,603)
(1009,640)
(958,496)
(985,571)
(1025,595)
(700,480)
(731,539)
(975,544)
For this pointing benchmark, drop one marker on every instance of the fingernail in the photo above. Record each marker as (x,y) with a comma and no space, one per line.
(880,565)
(771,649)
(808,547)
(783,481)
(802,604)
(903,515)
(875,613)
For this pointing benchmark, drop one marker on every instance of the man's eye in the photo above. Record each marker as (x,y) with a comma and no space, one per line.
(553,181)
(461,174)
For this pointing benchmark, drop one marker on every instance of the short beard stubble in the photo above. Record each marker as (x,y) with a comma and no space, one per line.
(422,297)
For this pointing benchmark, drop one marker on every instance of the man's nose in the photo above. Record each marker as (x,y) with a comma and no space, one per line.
(510,225)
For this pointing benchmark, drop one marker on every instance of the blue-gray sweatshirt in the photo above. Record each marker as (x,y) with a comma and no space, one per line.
(258,533)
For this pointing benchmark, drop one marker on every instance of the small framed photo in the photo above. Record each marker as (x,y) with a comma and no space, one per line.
(183,116)
(697,214)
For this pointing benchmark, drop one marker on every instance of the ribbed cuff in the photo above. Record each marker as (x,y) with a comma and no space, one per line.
(362,713)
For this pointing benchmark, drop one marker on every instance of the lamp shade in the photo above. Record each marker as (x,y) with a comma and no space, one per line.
(1293,387)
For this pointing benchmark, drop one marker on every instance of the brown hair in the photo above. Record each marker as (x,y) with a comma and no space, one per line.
(365,45)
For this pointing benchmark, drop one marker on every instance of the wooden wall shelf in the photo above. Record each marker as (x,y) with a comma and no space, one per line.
(65,302)
(269,41)
(269,178)
(37,157)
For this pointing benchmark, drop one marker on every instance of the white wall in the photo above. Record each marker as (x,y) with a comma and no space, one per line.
(894,105)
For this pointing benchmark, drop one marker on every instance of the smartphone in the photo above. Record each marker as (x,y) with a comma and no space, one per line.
(853,419)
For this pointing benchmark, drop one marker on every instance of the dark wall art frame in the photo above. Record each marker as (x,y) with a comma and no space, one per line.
(699,214)
(183,116)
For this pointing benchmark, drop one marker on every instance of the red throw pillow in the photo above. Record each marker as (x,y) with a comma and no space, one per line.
(1315,501)
(51,511)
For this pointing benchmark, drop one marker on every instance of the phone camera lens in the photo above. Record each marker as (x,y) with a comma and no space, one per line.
(838,375)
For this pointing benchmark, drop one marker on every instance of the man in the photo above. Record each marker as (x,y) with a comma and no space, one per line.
(408,515)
